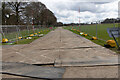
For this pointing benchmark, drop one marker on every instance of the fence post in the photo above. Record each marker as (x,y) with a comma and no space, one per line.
(114,23)
(96,30)
(17,31)
(2,32)
(28,30)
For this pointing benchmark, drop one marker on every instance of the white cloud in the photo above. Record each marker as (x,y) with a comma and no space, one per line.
(66,11)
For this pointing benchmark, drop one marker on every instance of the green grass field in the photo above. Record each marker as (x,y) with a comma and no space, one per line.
(91,31)
(24,33)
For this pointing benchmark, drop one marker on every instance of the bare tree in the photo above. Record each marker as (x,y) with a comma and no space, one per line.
(48,18)
(17,8)
(27,13)
(33,11)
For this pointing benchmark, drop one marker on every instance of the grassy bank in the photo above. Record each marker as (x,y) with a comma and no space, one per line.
(91,30)
(99,42)
(27,41)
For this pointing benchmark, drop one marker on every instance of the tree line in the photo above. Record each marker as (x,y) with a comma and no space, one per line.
(107,20)
(27,13)
(111,20)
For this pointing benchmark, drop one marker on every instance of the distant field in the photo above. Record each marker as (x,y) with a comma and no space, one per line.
(91,30)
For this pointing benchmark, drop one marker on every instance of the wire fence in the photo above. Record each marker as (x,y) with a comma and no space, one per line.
(11,32)
(96,30)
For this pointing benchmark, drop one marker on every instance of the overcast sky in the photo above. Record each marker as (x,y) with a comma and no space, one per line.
(67,11)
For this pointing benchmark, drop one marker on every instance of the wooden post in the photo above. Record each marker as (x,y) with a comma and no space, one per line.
(16,39)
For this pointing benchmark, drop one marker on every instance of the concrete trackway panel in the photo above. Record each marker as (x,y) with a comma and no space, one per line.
(87,62)
(83,52)
(27,70)
(58,45)
(34,53)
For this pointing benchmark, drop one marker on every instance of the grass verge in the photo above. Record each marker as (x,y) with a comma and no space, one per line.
(27,41)
(99,42)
